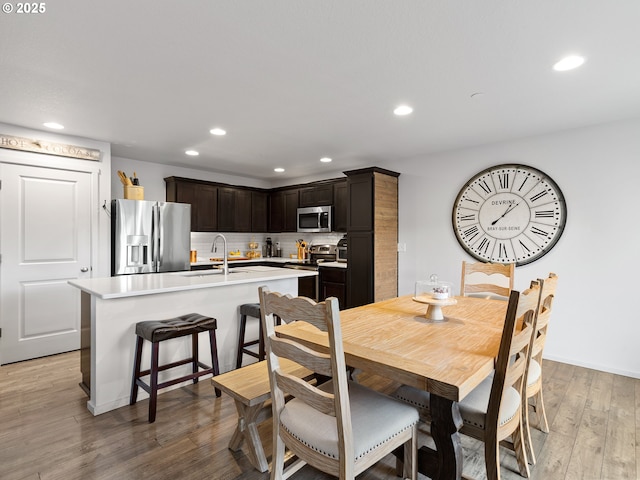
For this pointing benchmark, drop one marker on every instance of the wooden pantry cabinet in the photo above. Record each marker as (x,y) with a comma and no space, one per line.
(372,236)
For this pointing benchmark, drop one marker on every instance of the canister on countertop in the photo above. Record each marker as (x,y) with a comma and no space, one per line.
(268,248)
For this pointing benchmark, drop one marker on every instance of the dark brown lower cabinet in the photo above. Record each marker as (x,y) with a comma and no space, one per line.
(307,287)
(333,283)
(360,271)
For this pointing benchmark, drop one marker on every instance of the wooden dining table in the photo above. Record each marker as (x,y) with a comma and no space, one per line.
(447,358)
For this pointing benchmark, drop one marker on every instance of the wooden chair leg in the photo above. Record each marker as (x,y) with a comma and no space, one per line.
(194,355)
(261,349)
(277,458)
(214,357)
(492,458)
(520,451)
(153,395)
(541,413)
(528,444)
(399,467)
(136,371)
(411,457)
(243,326)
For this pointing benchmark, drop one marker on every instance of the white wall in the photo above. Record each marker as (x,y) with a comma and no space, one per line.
(596,259)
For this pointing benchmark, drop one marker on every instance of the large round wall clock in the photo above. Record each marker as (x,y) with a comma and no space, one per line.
(509,214)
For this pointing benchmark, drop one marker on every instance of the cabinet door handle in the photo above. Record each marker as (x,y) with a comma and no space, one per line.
(84,269)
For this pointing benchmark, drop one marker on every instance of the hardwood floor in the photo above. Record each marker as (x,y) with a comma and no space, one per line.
(47,433)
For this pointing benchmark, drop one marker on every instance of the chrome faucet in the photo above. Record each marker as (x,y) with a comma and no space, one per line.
(225,263)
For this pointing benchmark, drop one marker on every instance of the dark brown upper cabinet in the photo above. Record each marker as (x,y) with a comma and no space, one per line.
(202,197)
(316,195)
(234,209)
(218,207)
(259,211)
(340,206)
(283,211)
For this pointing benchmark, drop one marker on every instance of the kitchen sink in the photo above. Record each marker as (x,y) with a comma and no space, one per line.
(198,273)
(202,273)
(218,271)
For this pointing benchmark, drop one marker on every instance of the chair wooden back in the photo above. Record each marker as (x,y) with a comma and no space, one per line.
(513,356)
(326,317)
(500,285)
(547,295)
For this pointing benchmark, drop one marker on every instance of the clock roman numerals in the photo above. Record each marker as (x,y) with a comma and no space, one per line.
(509,214)
(483,246)
(485,186)
(503,180)
(472,232)
(522,184)
(538,196)
(544,214)
(539,231)
(467,218)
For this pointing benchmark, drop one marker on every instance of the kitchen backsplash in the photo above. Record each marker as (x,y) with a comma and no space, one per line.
(202,241)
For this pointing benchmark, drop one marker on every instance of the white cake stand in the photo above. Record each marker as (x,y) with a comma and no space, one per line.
(434,310)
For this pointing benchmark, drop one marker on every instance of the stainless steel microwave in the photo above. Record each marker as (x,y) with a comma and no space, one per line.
(314,219)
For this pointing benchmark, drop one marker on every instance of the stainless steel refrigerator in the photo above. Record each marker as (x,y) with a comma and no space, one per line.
(149,237)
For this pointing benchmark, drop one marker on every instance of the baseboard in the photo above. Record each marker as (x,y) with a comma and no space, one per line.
(593,366)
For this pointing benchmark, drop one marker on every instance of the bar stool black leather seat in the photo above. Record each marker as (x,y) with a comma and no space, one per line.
(156,331)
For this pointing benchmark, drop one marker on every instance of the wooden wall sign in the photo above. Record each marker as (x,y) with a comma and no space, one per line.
(49,148)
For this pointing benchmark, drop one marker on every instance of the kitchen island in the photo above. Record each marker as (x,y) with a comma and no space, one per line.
(112,306)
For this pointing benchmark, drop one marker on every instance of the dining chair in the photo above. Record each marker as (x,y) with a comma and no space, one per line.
(534,370)
(491,412)
(478,279)
(338,427)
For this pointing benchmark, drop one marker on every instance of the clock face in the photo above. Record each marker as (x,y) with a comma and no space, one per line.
(509,214)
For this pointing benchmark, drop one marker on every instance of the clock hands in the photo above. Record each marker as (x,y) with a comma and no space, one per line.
(509,208)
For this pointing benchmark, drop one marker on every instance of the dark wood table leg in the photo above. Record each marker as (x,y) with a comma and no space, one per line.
(445,424)
(445,462)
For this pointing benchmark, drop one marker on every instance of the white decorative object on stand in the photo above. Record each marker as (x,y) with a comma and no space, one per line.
(436,294)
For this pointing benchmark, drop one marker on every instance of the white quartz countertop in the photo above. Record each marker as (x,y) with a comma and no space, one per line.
(333,264)
(154,283)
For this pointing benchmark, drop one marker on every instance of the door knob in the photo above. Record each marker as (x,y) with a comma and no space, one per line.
(84,269)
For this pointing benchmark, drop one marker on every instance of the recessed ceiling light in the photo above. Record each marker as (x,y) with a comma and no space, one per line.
(278,169)
(403,110)
(54,125)
(217,131)
(568,63)
(192,153)
(325,159)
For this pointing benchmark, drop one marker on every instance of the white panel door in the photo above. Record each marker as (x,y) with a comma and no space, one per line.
(45,241)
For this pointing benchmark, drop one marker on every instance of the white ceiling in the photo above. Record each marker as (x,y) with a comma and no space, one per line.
(295,80)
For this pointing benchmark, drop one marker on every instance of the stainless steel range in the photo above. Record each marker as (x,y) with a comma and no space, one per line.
(309,286)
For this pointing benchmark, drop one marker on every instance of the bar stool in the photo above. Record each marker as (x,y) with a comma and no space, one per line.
(156,331)
(249,310)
